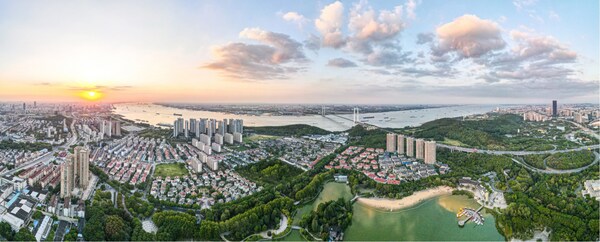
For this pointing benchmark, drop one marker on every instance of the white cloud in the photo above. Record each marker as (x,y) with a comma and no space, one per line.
(295,18)
(367,25)
(411,5)
(270,60)
(329,24)
(468,36)
(520,4)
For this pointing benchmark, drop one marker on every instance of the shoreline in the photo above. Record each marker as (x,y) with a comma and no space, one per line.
(271,113)
(406,202)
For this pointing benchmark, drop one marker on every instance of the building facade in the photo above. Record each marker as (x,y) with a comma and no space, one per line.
(390,142)
(430,149)
(410,147)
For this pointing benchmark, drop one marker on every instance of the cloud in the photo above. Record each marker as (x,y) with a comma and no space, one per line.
(468,36)
(101,88)
(341,63)
(313,43)
(388,57)
(329,24)
(534,58)
(259,61)
(423,38)
(411,5)
(367,25)
(294,17)
(532,90)
(286,48)
(520,4)
(374,34)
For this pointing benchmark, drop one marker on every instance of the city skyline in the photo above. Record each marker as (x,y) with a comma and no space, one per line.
(405,52)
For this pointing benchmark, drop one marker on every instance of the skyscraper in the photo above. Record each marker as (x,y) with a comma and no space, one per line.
(186,128)
(75,171)
(400,144)
(554,109)
(390,142)
(66,177)
(193,124)
(430,152)
(410,147)
(420,147)
(82,161)
(117,129)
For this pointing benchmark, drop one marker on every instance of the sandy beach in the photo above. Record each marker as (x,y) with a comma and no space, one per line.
(415,198)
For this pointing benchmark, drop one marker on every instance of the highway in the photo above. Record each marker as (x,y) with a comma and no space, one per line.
(505,152)
(514,152)
(520,153)
(46,157)
(553,171)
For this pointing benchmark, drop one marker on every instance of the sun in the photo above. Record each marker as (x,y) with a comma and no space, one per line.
(90,95)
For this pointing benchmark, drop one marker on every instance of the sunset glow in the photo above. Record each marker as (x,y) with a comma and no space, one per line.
(91,95)
(377,52)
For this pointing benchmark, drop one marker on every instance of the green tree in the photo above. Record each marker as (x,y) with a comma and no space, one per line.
(24,235)
(6,231)
(114,228)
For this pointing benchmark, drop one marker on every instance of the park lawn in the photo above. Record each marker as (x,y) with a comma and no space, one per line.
(171,170)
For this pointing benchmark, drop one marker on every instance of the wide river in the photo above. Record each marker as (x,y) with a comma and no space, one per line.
(155,114)
(433,219)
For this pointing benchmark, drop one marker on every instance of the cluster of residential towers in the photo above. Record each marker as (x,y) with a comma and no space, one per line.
(411,147)
(75,172)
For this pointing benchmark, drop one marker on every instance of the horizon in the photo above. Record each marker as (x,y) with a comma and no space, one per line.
(28,102)
(412,52)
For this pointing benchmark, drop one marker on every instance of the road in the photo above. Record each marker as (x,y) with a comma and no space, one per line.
(46,157)
(509,152)
(553,171)
(587,130)
(293,164)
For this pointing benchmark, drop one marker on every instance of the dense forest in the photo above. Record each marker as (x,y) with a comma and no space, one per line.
(499,132)
(270,171)
(536,200)
(104,221)
(570,160)
(287,130)
(336,215)
(367,138)
(9,144)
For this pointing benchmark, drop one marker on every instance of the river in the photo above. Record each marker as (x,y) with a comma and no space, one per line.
(155,114)
(434,219)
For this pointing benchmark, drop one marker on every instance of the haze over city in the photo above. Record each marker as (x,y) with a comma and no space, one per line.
(369,52)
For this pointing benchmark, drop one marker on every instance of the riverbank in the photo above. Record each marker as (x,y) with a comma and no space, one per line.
(406,202)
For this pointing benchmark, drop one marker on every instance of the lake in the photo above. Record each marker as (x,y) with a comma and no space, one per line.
(155,114)
(434,219)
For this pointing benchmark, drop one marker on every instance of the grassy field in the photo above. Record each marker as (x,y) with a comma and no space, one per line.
(176,169)
(258,137)
(453,142)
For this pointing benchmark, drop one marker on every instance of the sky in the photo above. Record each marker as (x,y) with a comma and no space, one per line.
(272,51)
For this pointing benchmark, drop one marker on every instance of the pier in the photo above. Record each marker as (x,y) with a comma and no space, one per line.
(470,214)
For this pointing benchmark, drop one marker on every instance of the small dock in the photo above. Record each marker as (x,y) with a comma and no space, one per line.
(471,214)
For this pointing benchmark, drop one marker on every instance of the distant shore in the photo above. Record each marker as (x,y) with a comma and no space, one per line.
(406,202)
